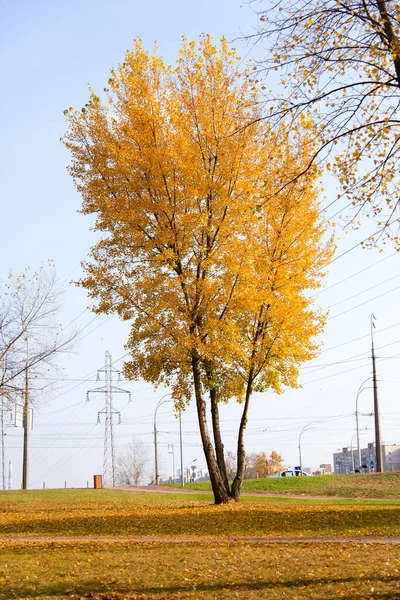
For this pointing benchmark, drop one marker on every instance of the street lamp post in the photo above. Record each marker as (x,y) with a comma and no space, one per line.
(301,433)
(352,452)
(360,389)
(181,445)
(378,443)
(187,469)
(160,402)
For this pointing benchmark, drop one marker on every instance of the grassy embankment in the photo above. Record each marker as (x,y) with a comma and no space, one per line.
(216,567)
(371,485)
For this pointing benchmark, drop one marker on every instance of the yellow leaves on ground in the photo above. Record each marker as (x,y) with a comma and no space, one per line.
(163,569)
(119,513)
(270,572)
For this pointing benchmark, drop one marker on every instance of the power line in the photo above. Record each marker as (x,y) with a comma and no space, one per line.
(362,337)
(363,303)
(363,291)
(378,231)
(353,275)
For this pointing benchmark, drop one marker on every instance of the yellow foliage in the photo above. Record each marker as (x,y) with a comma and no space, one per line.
(342,60)
(199,249)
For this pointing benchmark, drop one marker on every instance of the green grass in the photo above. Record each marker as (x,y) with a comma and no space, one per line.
(213,568)
(371,485)
(207,571)
(112,512)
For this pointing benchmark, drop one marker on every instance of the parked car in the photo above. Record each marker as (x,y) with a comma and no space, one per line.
(291,473)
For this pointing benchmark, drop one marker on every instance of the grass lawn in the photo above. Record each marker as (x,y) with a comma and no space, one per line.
(108,512)
(150,569)
(369,485)
(172,573)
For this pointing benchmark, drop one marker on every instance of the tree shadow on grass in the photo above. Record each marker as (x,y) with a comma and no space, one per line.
(93,588)
(260,521)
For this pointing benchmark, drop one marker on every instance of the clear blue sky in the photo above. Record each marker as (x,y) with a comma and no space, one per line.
(50,51)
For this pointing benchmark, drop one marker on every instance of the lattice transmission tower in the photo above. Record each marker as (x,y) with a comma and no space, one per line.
(108,411)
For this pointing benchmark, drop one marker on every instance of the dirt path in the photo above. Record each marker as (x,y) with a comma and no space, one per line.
(159,489)
(222,540)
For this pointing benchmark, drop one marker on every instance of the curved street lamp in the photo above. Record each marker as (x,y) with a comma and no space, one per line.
(305,428)
(352,452)
(159,403)
(360,389)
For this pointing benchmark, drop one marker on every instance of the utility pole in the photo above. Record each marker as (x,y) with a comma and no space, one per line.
(181,446)
(108,390)
(360,389)
(10,475)
(159,403)
(378,443)
(3,433)
(25,462)
(305,428)
(155,452)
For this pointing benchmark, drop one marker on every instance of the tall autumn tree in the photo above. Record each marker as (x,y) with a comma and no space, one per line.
(340,59)
(178,167)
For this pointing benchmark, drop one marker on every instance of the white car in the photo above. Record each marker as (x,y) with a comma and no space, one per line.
(291,473)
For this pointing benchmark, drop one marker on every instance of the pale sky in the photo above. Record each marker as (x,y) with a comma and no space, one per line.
(50,51)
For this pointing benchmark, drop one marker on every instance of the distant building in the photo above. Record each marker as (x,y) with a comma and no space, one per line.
(346,461)
(193,473)
(325,469)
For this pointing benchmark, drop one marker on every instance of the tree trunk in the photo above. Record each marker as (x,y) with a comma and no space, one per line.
(241,454)
(219,446)
(221,495)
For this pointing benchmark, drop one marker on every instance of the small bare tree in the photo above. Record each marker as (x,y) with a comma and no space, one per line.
(132,464)
(231,464)
(30,341)
(30,337)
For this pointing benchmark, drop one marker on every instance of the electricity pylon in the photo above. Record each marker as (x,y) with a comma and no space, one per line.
(108,390)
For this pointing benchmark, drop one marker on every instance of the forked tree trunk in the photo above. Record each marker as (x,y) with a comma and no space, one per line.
(219,446)
(241,454)
(221,495)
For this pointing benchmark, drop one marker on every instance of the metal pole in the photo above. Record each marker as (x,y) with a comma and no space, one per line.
(26,433)
(173,463)
(352,452)
(3,433)
(300,461)
(358,435)
(301,433)
(10,475)
(181,446)
(360,389)
(161,400)
(378,443)
(155,450)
